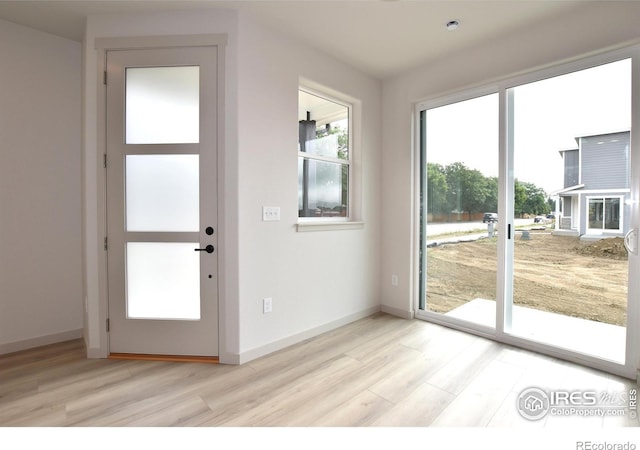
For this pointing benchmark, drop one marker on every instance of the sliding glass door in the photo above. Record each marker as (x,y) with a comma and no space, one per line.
(460,243)
(526,200)
(571,145)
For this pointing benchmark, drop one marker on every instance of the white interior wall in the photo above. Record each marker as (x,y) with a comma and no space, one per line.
(273,257)
(317,279)
(158,24)
(595,28)
(270,253)
(40,188)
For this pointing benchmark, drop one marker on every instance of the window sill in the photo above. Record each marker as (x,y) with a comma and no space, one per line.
(328,226)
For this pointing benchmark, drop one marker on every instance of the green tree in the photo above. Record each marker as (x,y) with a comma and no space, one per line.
(456,188)
(342,153)
(343,138)
(468,189)
(520,198)
(436,189)
(491,201)
(536,201)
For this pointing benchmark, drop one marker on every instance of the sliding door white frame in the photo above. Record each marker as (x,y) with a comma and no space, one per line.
(504,289)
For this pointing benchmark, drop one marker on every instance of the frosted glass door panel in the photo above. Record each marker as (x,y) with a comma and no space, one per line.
(163,105)
(162,193)
(163,281)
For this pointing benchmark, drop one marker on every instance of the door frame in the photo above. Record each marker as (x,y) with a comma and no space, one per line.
(631,367)
(195,336)
(102,46)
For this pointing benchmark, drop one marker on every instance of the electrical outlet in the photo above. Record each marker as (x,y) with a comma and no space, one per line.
(267,305)
(394,280)
(270,213)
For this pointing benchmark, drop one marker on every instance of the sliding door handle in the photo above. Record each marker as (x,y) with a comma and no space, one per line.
(631,241)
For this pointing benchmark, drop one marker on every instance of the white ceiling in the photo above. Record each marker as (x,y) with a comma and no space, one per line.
(380,37)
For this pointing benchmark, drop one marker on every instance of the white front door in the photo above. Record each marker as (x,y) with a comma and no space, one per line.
(162,201)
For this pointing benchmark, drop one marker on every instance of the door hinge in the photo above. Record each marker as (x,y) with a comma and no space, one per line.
(108,326)
(104,78)
(104,160)
(106,244)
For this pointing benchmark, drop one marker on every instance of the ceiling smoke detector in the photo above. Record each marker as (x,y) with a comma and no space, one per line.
(452,25)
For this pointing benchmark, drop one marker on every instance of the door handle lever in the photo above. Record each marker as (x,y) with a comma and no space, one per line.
(209,249)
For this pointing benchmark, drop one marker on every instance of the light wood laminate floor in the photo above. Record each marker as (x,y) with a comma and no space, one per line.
(378,371)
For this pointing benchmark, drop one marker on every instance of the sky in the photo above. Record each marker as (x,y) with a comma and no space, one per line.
(548,116)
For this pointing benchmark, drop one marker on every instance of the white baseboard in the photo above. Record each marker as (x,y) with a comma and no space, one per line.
(397,312)
(95,352)
(257,352)
(40,341)
(229,358)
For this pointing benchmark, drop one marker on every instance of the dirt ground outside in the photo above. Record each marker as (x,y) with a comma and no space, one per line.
(560,274)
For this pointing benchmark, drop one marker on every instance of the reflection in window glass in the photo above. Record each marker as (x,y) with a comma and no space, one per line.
(612,214)
(596,207)
(604,213)
(327,186)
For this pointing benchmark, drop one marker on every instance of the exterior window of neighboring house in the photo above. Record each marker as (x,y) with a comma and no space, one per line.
(324,157)
(604,213)
(596,184)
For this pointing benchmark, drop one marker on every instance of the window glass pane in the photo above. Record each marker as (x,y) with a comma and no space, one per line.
(322,188)
(595,213)
(571,141)
(460,221)
(163,105)
(163,281)
(162,193)
(612,214)
(323,126)
(323,146)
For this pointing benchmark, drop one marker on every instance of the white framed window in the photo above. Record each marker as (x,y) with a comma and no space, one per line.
(604,214)
(325,155)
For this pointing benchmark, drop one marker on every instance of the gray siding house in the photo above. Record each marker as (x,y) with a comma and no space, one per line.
(593,201)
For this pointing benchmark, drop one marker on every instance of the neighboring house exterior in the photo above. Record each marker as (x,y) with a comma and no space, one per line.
(594,199)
